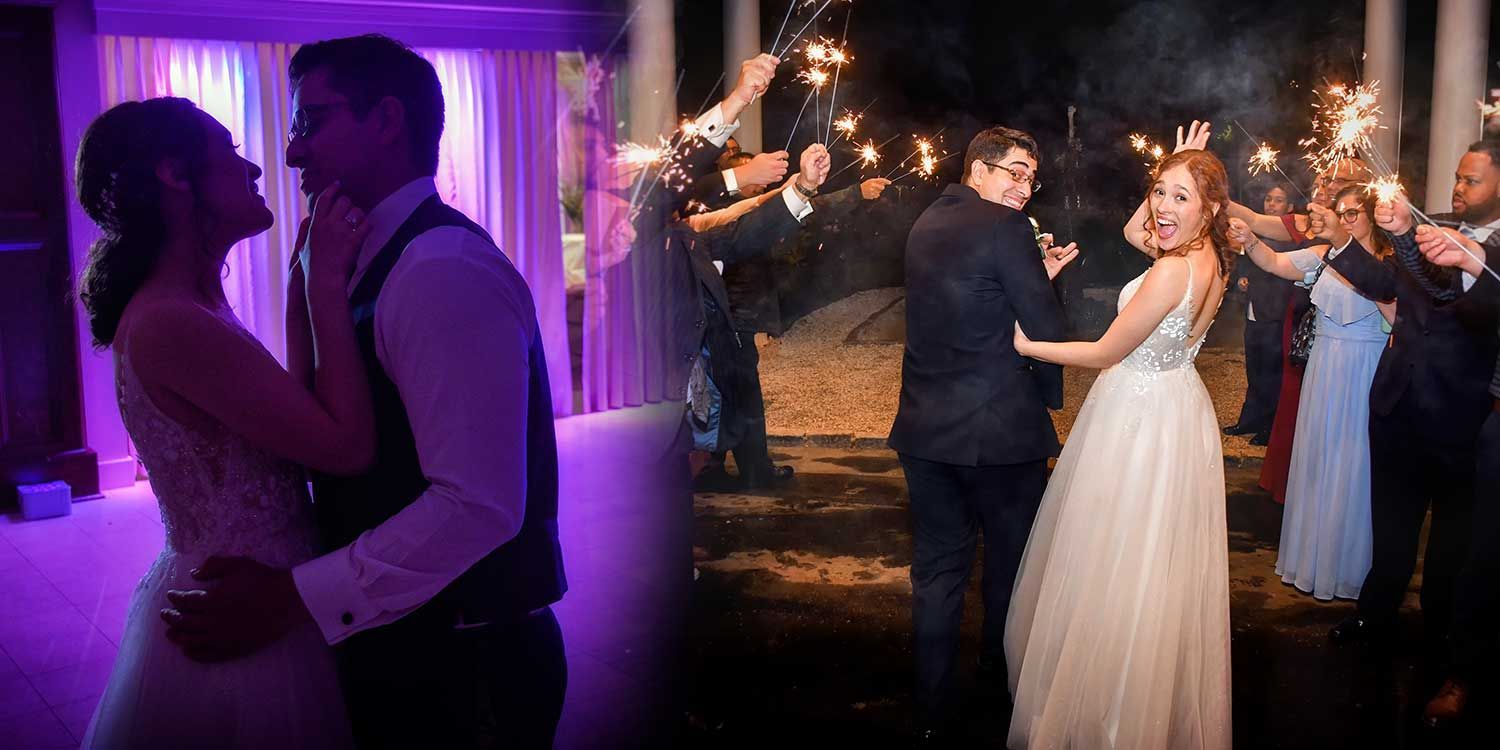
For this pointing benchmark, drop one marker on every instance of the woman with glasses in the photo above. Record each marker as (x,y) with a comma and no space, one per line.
(1325,531)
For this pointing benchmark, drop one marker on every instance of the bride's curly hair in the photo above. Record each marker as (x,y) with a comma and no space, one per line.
(119,190)
(1213,187)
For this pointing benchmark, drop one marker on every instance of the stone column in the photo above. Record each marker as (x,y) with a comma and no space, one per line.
(1385,47)
(653,71)
(1457,83)
(742,42)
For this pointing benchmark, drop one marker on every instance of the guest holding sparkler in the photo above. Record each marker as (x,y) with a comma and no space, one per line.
(740,175)
(755,307)
(1475,643)
(1428,400)
(1325,530)
(1269,299)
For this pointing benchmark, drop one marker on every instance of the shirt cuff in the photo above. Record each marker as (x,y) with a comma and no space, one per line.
(713,128)
(1469,280)
(795,203)
(731,185)
(328,590)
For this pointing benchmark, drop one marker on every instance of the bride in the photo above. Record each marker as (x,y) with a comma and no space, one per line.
(218,423)
(1118,633)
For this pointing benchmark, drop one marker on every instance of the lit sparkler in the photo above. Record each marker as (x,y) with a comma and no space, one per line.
(868,155)
(1157,152)
(640,155)
(1264,159)
(814,77)
(1385,189)
(1342,126)
(1140,143)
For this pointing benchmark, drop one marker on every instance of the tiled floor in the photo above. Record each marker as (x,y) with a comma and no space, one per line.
(65,585)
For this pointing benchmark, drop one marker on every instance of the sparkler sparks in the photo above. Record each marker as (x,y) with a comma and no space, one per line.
(1140,143)
(640,155)
(1157,152)
(1264,159)
(846,124)
(1385,189)
(1342,125)
(868,155)
(814,77)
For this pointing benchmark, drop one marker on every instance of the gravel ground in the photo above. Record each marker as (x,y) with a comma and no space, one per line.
(817,383)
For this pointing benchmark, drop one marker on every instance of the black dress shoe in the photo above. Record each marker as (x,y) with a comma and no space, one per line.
(1261,438)
(1239,429)
(772,477)
(1356,628)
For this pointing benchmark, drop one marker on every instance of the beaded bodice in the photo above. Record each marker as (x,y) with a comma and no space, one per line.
(1167,347)
(218,493)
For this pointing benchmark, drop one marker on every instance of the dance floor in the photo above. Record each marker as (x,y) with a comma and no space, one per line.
(65,585)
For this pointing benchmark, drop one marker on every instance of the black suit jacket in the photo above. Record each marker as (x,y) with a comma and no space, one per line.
(754,298)
(1268,292)
(972,270)
(1441,355)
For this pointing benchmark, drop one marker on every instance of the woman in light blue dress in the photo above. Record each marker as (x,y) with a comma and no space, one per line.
(1325,526)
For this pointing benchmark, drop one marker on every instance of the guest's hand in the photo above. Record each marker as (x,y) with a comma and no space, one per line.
(814,162)
(1056,258)
(755,77)
(1324,224)
(1441,246)
(763,169)
(1393,216)
(1023,344)
(1197,137)
(1239,235)
(243,606)
(872,188)
(337,233)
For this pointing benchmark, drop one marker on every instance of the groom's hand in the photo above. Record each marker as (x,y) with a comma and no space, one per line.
(243,606)
(1055,258)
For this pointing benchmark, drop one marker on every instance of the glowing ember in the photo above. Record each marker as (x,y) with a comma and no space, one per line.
(1157,152)
(815,77)
(816,52)
(1342,125)
(1264,159)
(1140,143)
(640,155)
(1385,189)
(868,155)
(688,128)
(847,123)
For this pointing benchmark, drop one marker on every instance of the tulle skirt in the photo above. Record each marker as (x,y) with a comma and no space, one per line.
(1118,631)
(284,697)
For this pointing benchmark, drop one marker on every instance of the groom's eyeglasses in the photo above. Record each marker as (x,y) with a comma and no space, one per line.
(305,124)
(1019,176)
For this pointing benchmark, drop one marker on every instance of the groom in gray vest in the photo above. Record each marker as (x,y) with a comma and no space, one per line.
(972,429)
(445,554)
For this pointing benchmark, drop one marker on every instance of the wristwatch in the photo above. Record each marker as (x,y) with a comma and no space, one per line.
(808,194)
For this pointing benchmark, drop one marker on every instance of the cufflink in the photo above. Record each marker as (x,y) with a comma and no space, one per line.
(347,618)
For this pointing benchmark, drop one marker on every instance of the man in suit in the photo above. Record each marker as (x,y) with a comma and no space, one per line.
(1269,295)
(1474,650)
(1428,401)
(755,307)
(738,175)
(973,430)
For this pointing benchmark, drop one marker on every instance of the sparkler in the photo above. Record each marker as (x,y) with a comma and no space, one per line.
(846,126)
(1342,126)
(1140,143)
(815,78)
(1385,189)
(869,156)
(800,31)
(924,148)
(1263,159)
(927,166)
(1157,152)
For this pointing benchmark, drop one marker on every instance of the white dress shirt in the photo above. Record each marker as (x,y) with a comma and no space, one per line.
(453,329)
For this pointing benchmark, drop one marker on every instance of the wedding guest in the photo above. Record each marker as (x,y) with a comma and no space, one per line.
(1428,401)
(1325,531)
(1269,299)
(739,175)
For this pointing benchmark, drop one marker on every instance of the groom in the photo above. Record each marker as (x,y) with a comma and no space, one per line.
(972,429)
(445,553)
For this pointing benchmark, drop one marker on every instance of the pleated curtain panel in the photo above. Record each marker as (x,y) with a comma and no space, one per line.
(497,161)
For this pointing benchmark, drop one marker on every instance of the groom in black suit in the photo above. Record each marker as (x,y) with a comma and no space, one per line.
(972,429)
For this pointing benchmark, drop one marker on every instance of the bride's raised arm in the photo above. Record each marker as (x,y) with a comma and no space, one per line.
(1160,292)
(1137,231)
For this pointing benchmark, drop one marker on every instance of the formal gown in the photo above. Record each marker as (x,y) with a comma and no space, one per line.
(218,494)
(1326,537)
(1118,634)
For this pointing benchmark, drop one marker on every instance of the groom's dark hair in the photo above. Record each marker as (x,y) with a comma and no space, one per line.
(993,143)
(371,67)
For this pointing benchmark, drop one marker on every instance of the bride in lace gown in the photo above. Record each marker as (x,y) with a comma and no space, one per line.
(220,426)
(1118,632)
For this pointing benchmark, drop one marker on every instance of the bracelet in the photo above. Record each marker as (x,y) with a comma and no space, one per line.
(804,193)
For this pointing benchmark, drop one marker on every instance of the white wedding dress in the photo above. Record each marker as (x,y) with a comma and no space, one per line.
(1118,632)
(218,495)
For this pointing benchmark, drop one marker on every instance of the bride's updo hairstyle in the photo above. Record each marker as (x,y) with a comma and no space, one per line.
(119,190)
(1213,187)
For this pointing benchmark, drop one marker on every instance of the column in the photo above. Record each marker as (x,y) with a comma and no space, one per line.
(1385,47)
(741,42)
(1462,52)
(653,71)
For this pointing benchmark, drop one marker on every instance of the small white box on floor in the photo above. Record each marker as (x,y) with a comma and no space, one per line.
(48,500)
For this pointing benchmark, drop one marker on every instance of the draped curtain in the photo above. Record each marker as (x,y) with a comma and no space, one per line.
(497,161)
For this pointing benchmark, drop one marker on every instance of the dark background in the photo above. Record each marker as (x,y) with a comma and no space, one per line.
(1127,66)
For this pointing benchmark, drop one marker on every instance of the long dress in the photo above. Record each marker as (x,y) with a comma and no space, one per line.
(1278,461)
(1118,634)
(1326,537)
(218,495)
